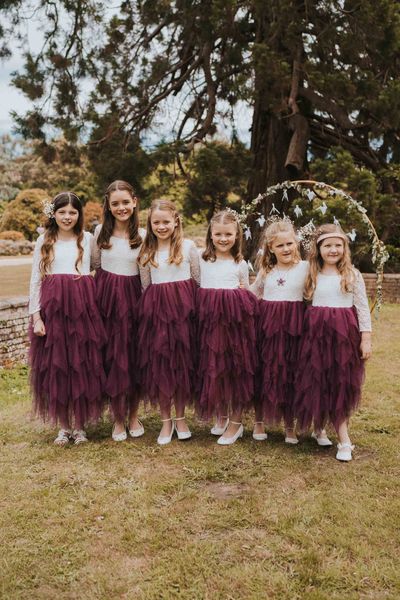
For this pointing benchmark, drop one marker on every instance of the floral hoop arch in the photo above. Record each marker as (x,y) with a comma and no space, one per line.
(317,190)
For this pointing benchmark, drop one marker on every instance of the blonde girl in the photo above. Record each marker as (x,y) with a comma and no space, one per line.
(118,289)
(67,333)
(169,271)
(227,338)
(336,341)
(279,286)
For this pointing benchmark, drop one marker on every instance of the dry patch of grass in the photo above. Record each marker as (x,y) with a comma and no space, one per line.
(198,521)
(15,280)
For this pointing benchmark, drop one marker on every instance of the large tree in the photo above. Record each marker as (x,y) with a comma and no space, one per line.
(316,75)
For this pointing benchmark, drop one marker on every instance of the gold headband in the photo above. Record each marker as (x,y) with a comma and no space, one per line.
(337,234)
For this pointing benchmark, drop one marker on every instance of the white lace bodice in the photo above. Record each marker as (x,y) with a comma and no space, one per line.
(328,293)
(223,274)
(281,286)
(65,255)
(167,273)
(120,259)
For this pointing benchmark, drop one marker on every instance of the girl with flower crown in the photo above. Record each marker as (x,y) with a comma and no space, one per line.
(66,329)
(118,289)
(279,285)
(336,341)
(226,312)
(169,268)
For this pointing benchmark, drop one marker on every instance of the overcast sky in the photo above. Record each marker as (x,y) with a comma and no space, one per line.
(12,99)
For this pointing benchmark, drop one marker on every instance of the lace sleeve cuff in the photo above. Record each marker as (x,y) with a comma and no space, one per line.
(145,276)
(361,303)
(194,264)
(258,286)
(244,275)
(36,279)
(95,252)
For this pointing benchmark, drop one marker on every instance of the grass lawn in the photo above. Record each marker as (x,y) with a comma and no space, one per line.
(15,280)
(193,520)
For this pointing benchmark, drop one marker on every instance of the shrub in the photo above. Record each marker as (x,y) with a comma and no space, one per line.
(24,213)
(11,235)
(92,213)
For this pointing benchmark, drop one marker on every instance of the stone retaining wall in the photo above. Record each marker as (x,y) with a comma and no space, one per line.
(14,318)
(13,331)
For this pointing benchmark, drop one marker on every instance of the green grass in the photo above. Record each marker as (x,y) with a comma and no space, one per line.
(197,521)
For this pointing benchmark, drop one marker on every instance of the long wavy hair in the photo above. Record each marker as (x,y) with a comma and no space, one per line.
(107,229)
(149,247)
(267,260)
(224,217)
(51,232)
(344,266)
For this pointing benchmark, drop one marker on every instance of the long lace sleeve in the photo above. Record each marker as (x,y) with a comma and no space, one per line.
(244,275)
(257,287)
(36,279)
(194,264)
(361,303)
(145,276)
(95,252)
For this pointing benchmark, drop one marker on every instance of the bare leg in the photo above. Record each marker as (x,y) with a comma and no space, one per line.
(232,428)
(167,424)
(343,433)
(180,425)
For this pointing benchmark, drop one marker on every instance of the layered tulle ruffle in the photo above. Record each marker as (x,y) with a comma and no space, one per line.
(66,364)
(279,330)
(167,343)
(117,299)
(227,350)
(331,371)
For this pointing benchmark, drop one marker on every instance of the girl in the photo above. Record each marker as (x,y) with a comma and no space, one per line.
(337,338)
(118,290)
(227,337)
(65,355)
(280,285)
(168,267)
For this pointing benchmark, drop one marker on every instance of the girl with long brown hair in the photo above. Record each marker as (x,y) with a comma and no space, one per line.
(226,312)
(118,289)
(168,269)
(279,286)
(66,329)
(336,340)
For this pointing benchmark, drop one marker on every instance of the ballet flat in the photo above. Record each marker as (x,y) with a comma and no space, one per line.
(231,440)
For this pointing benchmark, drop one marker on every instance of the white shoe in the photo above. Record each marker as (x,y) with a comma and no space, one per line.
(225,441)
(79,436)
(321,440)
(290,440)
(135,433)
(163,440)
(63,437)
(259,437)
(182,435)
(119,437)
(344,452)
(219,430)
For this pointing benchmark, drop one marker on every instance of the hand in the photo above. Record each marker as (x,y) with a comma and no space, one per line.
(39,328)
(366,345)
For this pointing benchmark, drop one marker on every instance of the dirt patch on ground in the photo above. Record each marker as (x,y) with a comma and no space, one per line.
(226,491)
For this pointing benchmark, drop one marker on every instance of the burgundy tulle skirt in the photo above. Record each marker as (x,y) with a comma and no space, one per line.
(331,371)
(167,343)
(227,350)
(66,364)
(279,330)
(117,299)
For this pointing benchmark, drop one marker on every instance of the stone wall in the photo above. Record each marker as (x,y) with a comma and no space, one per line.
(14,318)
(13,331)
(391,286)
